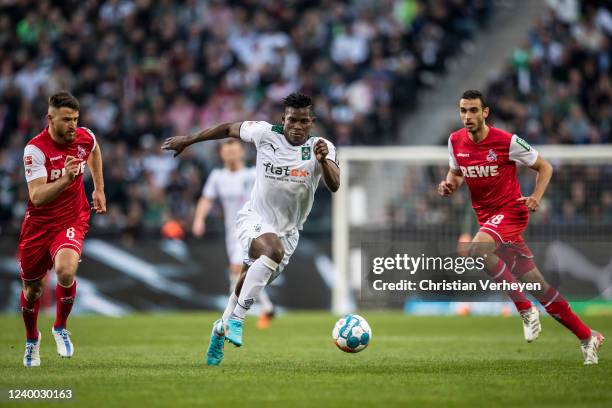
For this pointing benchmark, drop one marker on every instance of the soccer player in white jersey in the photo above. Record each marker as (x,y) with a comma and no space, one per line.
(290,163)
(232,185)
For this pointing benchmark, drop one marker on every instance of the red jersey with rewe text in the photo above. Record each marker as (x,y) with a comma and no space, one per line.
(43,157)
(489,169)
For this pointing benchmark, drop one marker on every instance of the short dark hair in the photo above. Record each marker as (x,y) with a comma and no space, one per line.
(474,94)
(64,99)
(297,100)
(229,140)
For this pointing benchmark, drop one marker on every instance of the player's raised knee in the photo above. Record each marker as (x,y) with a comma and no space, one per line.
(65,277)
(482,244)
(268,245)
(65,268)
(275,252)
(480,249)
(33,290)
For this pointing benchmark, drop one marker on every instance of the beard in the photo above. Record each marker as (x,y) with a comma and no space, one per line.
(476,127)
(66,135)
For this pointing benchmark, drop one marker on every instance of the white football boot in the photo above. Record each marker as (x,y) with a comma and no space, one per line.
(63,343)
(531,324)
(591,347)
(31,358)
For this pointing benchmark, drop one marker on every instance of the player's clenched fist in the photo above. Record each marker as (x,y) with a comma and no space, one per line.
(531,202)
(176,143)
(321,150)
(445,188)
(98,203)
(71,166)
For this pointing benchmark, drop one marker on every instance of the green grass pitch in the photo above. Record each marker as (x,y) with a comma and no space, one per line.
(158,360)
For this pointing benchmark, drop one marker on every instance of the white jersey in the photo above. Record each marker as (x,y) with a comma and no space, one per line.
(232,188)
(287,176)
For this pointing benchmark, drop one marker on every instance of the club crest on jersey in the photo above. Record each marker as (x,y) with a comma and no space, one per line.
(491,157)
(81,152)
(306,152)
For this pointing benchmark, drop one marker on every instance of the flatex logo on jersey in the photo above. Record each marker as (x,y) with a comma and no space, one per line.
(285,173)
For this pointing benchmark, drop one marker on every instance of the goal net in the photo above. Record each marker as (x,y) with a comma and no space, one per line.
(388,194)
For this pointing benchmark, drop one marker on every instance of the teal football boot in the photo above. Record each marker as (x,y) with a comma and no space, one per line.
(214,355)
(234,332)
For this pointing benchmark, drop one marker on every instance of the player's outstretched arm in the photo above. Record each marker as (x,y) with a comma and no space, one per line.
(454,179)
(42,192)
(545,172)
(331,171)
(95,167)
(222,131)
(199,219)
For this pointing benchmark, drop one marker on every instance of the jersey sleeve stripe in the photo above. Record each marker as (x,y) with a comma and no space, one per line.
(452,161)
(93,136)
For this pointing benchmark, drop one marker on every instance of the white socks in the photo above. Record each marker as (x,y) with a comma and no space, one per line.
(233,280)
(265,302)
(231,304)
(256,279)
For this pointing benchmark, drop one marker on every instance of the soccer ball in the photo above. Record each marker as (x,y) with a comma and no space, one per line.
(352,333)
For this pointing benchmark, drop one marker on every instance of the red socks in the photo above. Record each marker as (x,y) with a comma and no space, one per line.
(29,311)
(556,306)
(502,273)
(64,299)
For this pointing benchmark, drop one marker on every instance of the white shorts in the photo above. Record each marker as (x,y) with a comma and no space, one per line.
(233,248)
(249,226)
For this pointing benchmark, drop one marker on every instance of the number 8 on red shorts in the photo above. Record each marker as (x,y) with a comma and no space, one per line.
(39,245)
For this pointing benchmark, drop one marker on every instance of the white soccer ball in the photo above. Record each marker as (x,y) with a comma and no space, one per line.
(352,333)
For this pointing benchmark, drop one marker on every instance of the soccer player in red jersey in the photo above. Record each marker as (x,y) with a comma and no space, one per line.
(57,217)
(485,157)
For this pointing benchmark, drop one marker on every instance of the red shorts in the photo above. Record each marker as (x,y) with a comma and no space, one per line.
(506,228)
(38,247)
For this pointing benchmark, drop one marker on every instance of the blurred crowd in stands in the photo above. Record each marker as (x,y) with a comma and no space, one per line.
(557,88)
(145,70)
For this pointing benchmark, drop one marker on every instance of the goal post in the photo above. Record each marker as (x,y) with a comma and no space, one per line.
(389,193)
